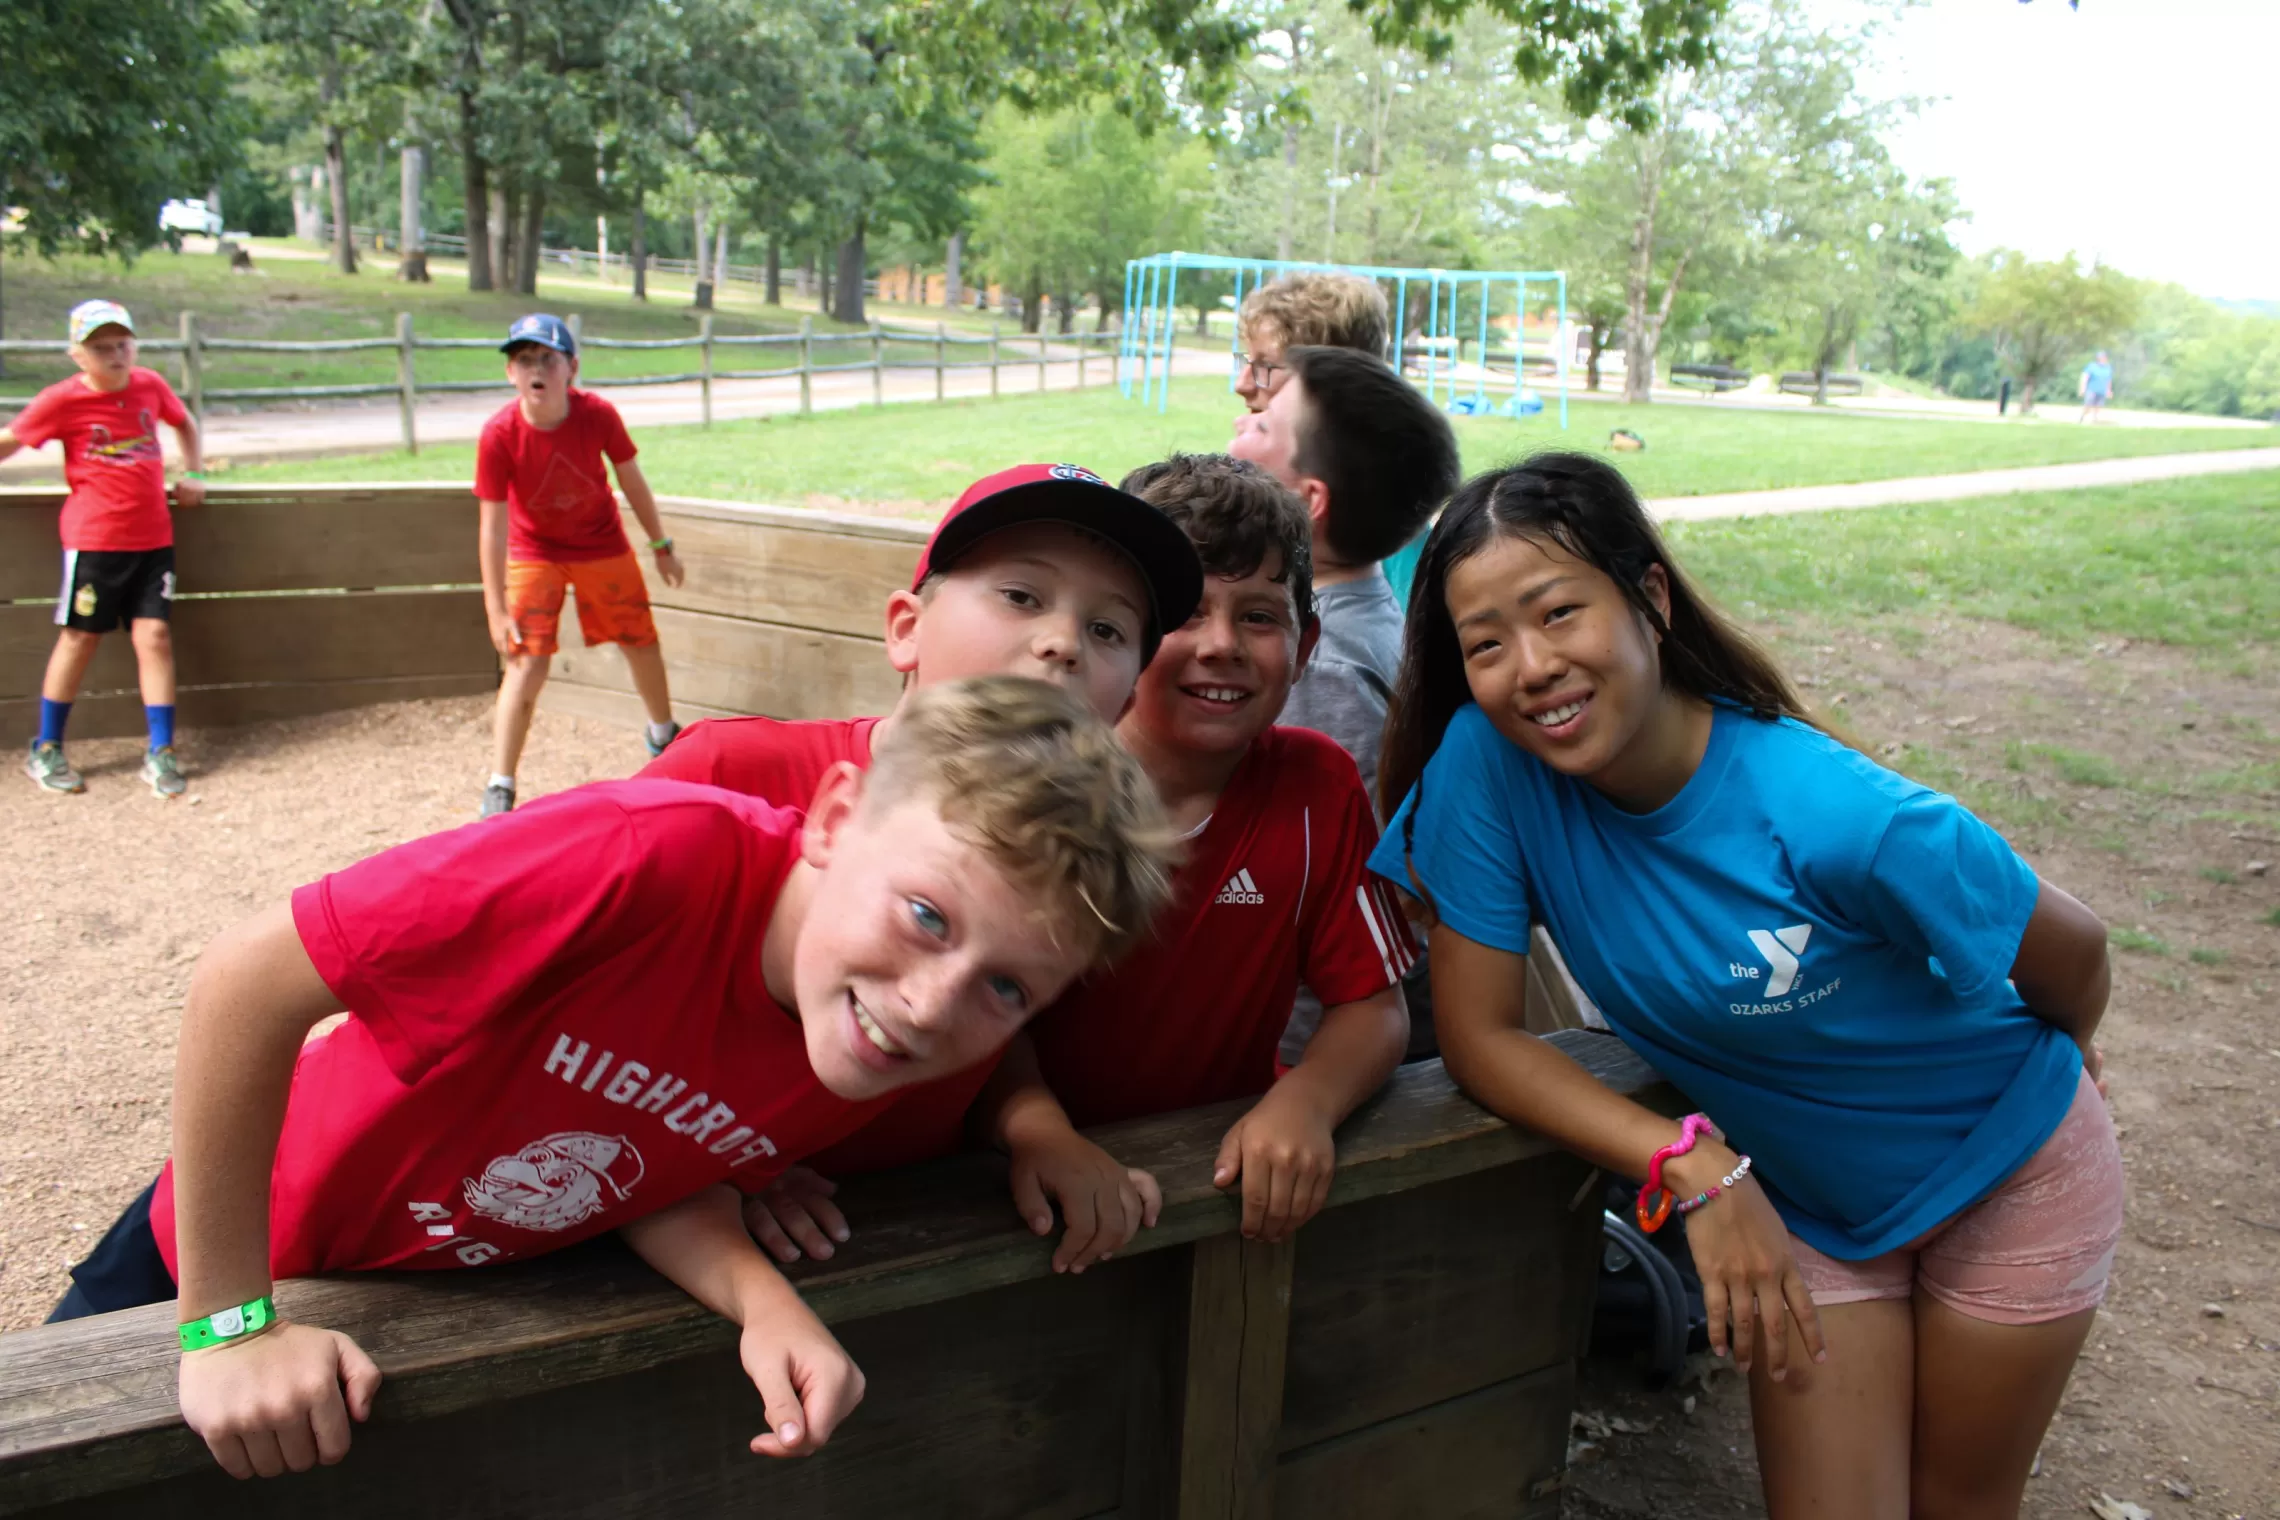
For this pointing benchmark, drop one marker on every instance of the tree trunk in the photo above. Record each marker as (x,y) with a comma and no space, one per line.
(475,191)
(822,268)
(1591,359)
(849,305)
(1287,237)
(336,180)
(533,240)
(773,275)
(697,257)
(2027,397)
(502,233)
(411,237)
(640,245)
(953,290)
(720,254)
(1638,337)
(1065,307)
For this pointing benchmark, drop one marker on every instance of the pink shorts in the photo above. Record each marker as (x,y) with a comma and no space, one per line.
(2038,1248)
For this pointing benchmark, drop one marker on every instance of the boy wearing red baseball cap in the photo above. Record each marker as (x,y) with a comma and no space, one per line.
(118,537)
(1042,570)
(550,527)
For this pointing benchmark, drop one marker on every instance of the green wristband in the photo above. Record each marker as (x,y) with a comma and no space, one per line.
(193,474)
(229,1324)
(661,544)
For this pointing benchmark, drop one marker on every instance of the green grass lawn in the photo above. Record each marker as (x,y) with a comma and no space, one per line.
(917,456)
(301,299)
(2193,562)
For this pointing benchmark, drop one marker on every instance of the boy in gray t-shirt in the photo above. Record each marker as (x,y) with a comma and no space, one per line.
(1373,460)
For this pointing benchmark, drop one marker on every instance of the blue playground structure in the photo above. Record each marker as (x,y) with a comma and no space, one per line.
(1461,306)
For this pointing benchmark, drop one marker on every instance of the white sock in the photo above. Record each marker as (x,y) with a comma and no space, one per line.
(660,732)
(506,781)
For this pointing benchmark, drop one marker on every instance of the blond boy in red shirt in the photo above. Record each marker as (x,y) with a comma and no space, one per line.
(118,537)
(615,1010)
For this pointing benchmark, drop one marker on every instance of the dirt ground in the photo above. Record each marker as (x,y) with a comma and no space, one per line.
(2143,779)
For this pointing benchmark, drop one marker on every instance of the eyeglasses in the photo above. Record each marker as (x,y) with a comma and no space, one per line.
(1262,371)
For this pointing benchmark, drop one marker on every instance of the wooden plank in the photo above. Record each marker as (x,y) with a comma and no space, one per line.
(275,538)
(1419,1297)
(1499,1454)
(89,1407)
(992,1406)
(207,707)
(1231,1411)
(734,665)
(754,565)
(259,640)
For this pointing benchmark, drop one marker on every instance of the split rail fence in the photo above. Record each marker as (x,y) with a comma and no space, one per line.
(879,350)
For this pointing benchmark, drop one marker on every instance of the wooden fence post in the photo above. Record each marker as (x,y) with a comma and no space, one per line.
(1231,1415)
(878,366)
(807,364)
(705,337)
(993,359)
(193,368)
(941,345)
(407,386)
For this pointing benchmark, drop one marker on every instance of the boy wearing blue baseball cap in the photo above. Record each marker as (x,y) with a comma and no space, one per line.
(550,525)
(118,536)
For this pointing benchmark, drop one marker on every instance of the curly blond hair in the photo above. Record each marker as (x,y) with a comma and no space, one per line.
(1316,308)
(1030,775)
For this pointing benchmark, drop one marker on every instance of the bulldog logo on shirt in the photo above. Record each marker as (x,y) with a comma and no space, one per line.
(554,1183)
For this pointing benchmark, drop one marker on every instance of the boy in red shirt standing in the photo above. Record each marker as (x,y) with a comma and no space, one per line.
(611,1011)
(118,537)
(1041,570)
(550,525)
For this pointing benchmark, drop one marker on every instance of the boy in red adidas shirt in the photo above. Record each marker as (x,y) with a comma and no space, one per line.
(1275,887)
(118,537)
(610,1012)
(1040,570)
(550,526)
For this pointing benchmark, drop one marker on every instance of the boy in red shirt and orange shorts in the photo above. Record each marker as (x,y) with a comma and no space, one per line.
(616,1009)
(118,537)
(550,525)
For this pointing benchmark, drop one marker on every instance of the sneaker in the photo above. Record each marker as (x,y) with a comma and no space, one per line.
(498,799)
(47,766)
(656,747)
(163,774)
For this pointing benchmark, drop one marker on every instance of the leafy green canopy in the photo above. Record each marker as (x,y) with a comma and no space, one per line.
(104,115)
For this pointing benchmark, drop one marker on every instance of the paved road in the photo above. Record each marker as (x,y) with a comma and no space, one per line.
(2041,477)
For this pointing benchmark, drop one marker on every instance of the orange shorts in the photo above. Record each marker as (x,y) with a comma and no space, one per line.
(613,601)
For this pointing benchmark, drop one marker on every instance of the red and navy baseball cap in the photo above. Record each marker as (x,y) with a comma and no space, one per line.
(1066,493)
(544,329)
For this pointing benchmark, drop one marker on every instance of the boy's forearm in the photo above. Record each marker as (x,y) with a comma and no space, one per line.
(491,553)
(9,443)
(1354,1050)
(638,496)
(702,1246)
(253,998)
(1016,1104)
(187,438)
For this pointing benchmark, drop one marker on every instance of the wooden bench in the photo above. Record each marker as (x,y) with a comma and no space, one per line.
(1411,1352)
(1715,378)
(1804,382)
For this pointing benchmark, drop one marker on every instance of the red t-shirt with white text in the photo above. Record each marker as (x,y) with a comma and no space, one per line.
(1276,888)
(111,458)
(558,1025)
(556,487)
(785,762)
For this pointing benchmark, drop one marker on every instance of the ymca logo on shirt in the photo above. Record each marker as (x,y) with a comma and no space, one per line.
(1783,951)
(1241,889)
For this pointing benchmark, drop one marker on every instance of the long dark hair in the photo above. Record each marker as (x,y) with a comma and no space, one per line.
(1585,507)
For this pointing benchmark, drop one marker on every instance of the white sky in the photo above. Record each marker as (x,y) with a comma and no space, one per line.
(2141,132)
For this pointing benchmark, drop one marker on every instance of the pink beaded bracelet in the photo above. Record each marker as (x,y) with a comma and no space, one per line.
(1741,1170)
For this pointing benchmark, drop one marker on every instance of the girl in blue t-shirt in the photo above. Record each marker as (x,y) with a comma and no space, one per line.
(1887,1017)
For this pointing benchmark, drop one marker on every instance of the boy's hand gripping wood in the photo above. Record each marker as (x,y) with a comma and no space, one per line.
(273,1402)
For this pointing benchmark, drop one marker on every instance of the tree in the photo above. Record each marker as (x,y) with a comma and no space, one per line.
(2045,316)
(339,57)
(93,139)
